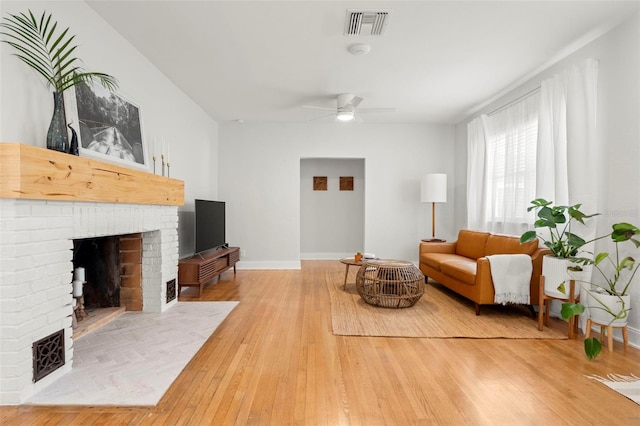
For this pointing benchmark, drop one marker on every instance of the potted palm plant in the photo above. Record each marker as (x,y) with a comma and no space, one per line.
(608,299)
(561,239)
(49,53)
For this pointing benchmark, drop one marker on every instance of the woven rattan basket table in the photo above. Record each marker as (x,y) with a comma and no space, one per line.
(390,283)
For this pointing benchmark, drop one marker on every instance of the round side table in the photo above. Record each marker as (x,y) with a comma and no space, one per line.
(349,261)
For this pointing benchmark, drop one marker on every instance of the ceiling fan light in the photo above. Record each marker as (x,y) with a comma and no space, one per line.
(345,116)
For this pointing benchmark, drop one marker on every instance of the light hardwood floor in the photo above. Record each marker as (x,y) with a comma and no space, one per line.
(274,361)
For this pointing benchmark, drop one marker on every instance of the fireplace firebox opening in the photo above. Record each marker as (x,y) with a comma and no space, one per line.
(113,271)
(101,261)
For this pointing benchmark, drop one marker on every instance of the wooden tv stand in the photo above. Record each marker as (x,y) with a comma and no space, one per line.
(201,268)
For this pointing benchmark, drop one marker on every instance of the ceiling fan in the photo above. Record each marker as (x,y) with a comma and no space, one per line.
(346,106)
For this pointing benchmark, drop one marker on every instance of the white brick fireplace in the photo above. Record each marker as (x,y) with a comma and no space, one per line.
(36,261)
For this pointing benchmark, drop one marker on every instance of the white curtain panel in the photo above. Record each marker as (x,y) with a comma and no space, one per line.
(552,181)
(567,171)
(567,149)
(476,179)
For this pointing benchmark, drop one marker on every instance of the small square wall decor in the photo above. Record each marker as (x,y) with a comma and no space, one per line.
(319,183)
(346,183)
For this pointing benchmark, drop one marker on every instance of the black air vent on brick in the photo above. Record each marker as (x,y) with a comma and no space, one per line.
(171,290)
(48,355)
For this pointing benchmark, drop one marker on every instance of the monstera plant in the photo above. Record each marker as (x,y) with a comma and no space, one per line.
(561,237)
(49,51)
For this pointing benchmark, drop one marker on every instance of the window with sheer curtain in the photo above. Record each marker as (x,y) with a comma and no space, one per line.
(505,182)
(543,145)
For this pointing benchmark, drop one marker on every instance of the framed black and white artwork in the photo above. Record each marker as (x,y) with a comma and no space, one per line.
(108,126)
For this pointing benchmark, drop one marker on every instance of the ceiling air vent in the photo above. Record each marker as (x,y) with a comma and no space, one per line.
(366,22)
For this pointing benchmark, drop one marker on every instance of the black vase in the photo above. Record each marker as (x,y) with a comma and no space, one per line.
(73,148)
(57,137)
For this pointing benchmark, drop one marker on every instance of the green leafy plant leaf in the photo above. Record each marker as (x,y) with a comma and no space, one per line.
(600,257)
(574,240)
(544,223)
(571,309)
(624,231)
(575,213)
(627,263)
(528,236)
(592,347)
(538,202)
(562,288)
(551,216)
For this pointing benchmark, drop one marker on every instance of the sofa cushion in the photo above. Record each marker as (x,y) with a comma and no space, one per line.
(461,269)
(471,244)
(507,244)
(434,260)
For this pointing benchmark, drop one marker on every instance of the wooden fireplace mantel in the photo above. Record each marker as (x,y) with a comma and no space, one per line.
(30,172)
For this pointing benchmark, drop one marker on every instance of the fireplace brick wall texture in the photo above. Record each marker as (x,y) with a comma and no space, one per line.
(36,242)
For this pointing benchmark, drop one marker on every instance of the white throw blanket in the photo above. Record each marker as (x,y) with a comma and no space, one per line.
(511,275)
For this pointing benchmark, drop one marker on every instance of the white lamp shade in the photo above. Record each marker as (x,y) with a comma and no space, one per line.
(433,188)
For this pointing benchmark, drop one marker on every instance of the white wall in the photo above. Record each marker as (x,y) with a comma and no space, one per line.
(618,128)
(262,189)
(331,221)
(26,103)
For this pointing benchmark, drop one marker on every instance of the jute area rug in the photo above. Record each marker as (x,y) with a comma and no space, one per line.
(440,313)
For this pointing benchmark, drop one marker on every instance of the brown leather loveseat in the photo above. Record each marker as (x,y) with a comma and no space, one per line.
(463,267)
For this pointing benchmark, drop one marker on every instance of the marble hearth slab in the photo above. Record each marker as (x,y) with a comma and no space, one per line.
(134,359)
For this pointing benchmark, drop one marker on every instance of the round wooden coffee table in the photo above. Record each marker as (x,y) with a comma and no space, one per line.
(390,283)
(349,261)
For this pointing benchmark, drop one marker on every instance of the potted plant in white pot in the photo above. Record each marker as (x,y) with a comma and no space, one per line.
(563,242)
(608,299)
(49,53)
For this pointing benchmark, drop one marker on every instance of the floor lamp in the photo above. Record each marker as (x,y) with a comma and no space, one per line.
(433,189)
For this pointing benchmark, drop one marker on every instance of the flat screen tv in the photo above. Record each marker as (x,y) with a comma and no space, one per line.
(210,224)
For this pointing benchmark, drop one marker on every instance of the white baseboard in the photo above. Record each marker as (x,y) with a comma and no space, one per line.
(325,256)
(634,337)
